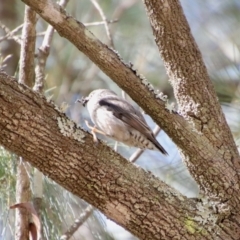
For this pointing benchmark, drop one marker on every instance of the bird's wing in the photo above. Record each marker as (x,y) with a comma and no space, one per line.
(124,111)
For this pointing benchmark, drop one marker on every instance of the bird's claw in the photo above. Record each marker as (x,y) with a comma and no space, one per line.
(94,130)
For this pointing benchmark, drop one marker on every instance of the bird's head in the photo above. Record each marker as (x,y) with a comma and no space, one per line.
(96,94)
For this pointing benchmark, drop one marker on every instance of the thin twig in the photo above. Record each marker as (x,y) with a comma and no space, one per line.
(3,61)
(17,38)
(97,6)
(43,53)
(124,95)
(134,157)
(11,34)
(100,23)
(116,146)
(78,223)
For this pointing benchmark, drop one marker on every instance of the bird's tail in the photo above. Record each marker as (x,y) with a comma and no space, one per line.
(160,147)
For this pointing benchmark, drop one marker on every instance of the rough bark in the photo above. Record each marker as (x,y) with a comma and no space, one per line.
(26,74)
(33,128)
(197,102)
(194,92)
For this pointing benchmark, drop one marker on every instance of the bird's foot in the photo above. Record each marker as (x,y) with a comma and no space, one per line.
(94,130)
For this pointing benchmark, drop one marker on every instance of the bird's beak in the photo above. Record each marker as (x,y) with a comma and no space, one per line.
(83,101)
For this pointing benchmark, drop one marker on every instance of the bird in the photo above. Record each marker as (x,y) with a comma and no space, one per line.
(116,118)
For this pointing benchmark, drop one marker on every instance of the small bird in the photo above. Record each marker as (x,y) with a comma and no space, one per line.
(116,118)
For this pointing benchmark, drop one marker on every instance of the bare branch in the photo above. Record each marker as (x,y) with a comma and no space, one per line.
(43,53)
(97,6)
(78,223)
(100,23)
(11,34)
(23,194)
(26,71)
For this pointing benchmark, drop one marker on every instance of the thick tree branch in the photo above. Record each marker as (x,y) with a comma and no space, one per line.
(33,128)
(193,89)
(205,161)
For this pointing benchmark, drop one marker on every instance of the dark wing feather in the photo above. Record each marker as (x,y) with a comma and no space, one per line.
(124,111)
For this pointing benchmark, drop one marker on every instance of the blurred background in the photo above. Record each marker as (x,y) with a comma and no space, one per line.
(71,75)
